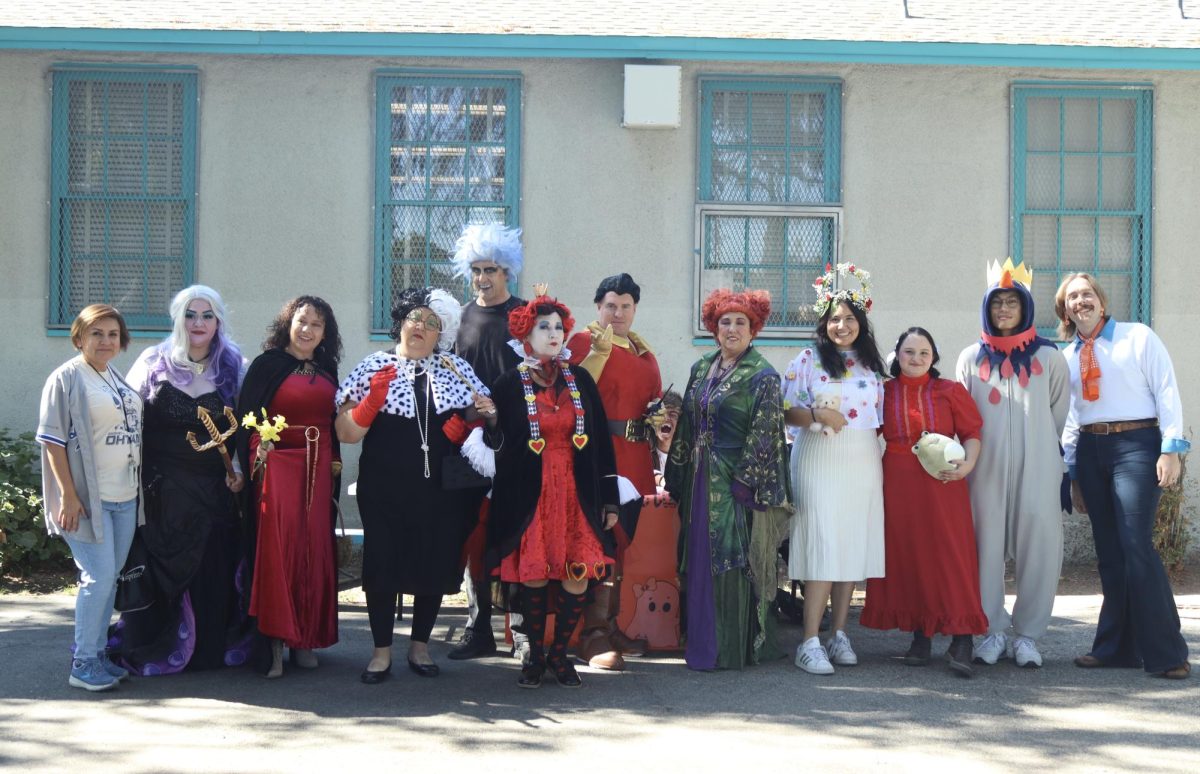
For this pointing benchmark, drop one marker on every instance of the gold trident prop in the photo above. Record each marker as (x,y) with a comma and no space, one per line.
(217,438)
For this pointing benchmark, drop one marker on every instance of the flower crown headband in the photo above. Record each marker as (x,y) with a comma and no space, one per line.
(828,296)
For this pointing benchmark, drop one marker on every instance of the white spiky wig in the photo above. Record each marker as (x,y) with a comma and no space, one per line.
(489,242)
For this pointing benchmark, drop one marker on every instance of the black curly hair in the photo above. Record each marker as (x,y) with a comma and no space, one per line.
(408,300)
(279,333)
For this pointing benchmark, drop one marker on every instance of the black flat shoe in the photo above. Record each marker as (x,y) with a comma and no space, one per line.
(423,670)
(375,678)
(564,672)
(531,676)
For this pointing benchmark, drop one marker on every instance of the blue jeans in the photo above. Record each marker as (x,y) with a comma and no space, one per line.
(1139,623)
(99,564)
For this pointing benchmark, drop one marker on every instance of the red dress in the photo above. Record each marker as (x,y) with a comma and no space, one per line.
(294,595)
(558,543)
(932,582)
(627,384)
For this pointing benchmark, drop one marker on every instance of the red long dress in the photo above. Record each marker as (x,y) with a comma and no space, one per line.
(559,541)
(294,595)
(932,582)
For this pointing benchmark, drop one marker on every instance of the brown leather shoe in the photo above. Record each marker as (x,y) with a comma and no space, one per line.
(626,645)
(595,649)
(1088,661)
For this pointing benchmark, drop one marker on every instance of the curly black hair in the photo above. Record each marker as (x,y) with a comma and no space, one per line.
(408,300)
(279,333)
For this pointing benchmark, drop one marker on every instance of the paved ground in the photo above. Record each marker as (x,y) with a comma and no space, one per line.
(656,716)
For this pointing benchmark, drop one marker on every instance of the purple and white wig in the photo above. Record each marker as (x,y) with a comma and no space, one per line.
(170,358)
(489,242)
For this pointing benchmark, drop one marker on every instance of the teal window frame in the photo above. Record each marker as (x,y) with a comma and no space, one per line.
(1139,271)
(60,314)
(385,200)
(828,209)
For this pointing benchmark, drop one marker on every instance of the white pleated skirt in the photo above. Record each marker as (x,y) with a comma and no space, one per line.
(837,483)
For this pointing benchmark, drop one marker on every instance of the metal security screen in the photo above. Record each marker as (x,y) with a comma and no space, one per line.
(1082,192)
(446,157)
(769,188)
(122,192)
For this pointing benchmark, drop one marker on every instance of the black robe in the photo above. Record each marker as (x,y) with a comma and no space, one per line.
(518,481)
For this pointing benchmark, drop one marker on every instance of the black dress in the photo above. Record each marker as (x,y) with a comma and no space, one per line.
(413,530)
(194,540)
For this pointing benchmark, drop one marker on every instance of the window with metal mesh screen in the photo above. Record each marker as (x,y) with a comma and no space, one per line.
(769,191)
(1082,192)
(123,194)
(447,148)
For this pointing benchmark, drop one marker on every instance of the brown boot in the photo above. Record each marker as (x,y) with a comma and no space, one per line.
(598,652)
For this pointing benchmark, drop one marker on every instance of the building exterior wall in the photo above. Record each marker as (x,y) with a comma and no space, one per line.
(285,178)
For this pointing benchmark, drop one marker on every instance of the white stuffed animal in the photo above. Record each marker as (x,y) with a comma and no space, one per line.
(938,453)
(829,400)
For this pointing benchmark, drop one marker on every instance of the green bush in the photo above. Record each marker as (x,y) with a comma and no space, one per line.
(25,544)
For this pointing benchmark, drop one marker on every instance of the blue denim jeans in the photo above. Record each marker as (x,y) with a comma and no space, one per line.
(1139,623)
(99,564)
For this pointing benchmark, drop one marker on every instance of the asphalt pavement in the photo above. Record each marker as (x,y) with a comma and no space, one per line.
(656,716)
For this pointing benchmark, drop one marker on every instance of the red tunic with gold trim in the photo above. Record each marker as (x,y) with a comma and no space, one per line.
(629,382)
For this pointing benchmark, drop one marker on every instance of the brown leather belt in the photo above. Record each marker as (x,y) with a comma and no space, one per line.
(1106,428)
(632,430)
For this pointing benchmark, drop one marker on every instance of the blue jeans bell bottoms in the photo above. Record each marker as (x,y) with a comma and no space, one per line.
(99,564)
(1139,623)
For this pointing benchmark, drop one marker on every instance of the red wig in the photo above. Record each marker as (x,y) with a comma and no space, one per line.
(522,319)
(755,304)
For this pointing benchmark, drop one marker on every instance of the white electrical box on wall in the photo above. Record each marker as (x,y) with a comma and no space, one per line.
(653,99)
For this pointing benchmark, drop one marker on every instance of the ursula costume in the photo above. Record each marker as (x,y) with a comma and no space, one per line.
(192,530)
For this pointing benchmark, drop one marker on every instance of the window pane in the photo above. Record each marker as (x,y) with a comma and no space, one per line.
(1116,243)
(1080,180)
(1078,243)
(1042,127)
(1080,121)
(1042,182)
(1118,124)
(1118,182)
(729,117)
(768,119)
(1040,243)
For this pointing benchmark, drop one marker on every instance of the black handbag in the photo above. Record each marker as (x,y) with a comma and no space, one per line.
(135,585)
(457,473)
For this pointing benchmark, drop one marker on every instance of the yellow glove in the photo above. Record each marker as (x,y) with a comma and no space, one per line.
(602,344)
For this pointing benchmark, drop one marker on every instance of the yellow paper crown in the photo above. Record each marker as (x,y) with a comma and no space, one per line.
(1006,274)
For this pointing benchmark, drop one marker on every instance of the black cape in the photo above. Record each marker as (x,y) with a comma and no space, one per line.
(518,481)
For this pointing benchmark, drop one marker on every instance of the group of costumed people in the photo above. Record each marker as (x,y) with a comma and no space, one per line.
(503,448)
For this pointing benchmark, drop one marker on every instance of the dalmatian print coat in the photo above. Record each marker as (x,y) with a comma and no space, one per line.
(452,384)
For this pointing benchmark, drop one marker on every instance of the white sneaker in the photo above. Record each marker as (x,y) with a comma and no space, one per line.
(812,658)
(1025,652)
(839,650)
(991,648)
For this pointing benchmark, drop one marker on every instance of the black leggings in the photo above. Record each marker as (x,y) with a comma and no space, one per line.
(381,612)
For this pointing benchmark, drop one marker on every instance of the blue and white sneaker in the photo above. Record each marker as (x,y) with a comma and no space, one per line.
(90,675)
(118,672)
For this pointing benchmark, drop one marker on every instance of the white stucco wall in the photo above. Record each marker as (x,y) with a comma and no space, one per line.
(285,197)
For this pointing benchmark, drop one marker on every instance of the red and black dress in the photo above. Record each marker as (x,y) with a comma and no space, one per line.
(932,582)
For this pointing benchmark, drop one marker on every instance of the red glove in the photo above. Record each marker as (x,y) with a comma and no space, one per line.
(364,413)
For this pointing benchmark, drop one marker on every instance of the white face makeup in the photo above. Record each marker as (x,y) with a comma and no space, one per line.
(617,311)
(547,337)
(489,282)
(915,355)
(200,322)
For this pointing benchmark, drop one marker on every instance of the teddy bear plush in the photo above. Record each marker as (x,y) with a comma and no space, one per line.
(937,452)
(830,400)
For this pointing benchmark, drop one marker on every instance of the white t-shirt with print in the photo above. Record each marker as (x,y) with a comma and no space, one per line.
(116,414)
